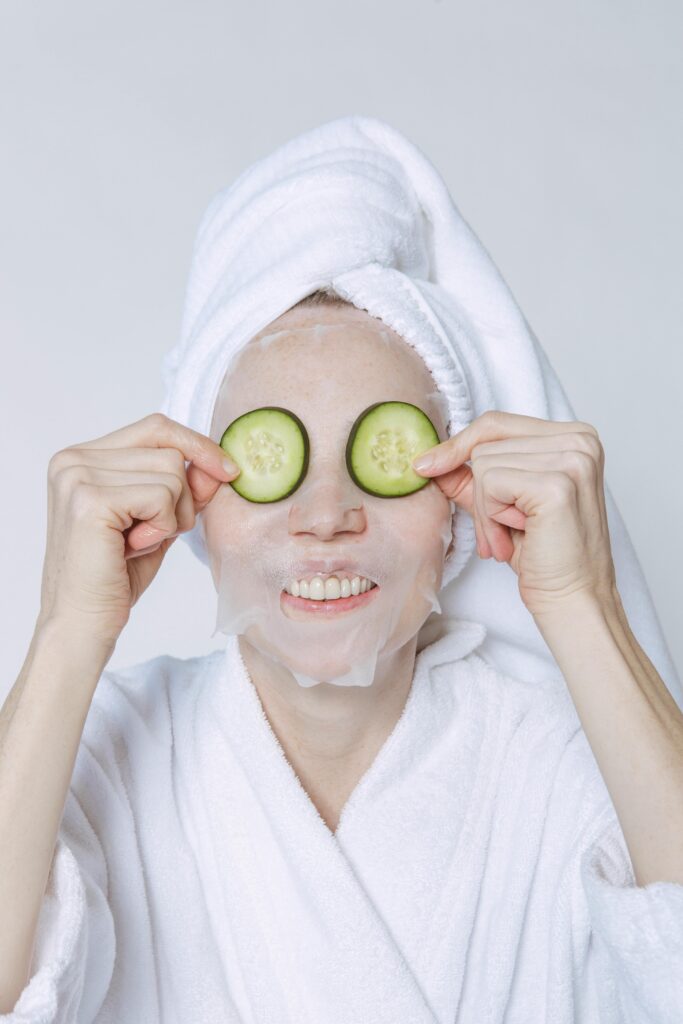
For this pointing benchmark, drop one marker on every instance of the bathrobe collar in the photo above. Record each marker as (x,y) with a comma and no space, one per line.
(300,902)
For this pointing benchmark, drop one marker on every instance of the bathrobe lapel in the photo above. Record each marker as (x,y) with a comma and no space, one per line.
(293,906)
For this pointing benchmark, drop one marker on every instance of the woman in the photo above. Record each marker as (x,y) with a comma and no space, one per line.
(328,362)
(445,843)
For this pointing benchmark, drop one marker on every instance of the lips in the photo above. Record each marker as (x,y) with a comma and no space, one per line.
(324,609)
(325,568)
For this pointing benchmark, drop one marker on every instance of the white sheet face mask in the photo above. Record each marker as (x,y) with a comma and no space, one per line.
(257,557)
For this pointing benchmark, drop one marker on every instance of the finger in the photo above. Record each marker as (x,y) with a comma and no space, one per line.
(491,426)
(159,431)
(497,537)
(458,485)
(483,546)
(203,485)
(143,534)
(497,515)
(565,441)
(154,503)
(585,442)
(577,465)
(160,524)
(146,535)
(159,549)
(548,499)
(143,465)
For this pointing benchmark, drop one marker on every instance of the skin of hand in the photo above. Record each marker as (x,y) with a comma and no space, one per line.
(535,489)
(115,505)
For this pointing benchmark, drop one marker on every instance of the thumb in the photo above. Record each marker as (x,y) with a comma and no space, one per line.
(458,485)
(202,485)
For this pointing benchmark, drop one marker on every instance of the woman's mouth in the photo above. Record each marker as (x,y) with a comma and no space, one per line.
(329,596)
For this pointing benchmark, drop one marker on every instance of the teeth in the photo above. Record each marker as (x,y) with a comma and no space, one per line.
(330,589)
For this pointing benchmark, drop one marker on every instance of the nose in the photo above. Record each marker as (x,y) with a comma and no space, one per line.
(327,503)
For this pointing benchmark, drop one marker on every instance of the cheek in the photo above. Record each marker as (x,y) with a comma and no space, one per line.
(219,519)
(430,539)
(415,529)
(229,524)
(423,521)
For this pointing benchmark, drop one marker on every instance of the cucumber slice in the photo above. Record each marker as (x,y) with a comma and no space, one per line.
(270,446)
(382,444)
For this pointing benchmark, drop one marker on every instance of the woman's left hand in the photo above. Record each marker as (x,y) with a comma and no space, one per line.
(535,491)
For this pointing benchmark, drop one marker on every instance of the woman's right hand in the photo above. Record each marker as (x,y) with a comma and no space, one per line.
(115,506)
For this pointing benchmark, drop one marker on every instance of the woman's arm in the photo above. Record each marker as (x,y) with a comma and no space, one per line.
(535,489)
(41,724)
(633,725)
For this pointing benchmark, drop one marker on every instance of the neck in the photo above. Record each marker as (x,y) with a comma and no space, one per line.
(331,734)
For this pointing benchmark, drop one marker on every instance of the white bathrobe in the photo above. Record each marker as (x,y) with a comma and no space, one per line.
(478,873)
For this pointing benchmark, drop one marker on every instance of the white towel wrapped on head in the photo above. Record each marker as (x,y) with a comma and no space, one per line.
(353,204)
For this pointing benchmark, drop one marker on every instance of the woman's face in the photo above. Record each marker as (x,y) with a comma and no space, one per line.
(327,378)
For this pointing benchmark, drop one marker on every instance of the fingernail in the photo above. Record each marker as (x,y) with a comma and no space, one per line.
(230,467)
(424,462)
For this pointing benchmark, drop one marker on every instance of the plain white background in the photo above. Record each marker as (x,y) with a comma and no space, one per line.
(556,126)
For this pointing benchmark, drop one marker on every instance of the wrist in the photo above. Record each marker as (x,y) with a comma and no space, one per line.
(584,602)
(71,640)
(576,628)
